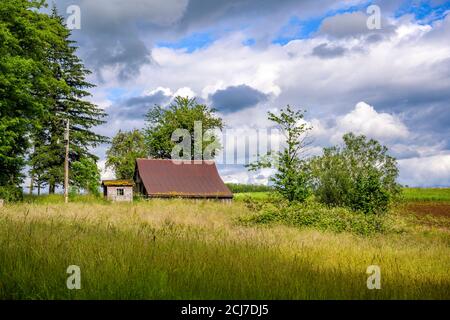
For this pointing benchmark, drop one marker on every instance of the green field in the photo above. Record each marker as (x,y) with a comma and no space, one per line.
(422,194)
(408,194)
(199,250)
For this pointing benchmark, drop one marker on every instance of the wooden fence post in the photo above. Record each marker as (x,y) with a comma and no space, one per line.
(1,202)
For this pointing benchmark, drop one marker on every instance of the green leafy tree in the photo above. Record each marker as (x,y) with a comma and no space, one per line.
(125,148)
(292,177)
(360,175)
(67,102)
(86,176)
(181,114)
(26,81)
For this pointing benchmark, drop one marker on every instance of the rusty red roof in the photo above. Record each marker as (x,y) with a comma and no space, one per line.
(192,179)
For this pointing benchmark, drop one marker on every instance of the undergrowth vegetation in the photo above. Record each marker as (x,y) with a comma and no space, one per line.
(311,214)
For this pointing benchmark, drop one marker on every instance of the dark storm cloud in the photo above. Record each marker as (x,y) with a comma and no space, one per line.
(121,34)
(136,108)
(324,51)
(128,53)
(157,98)
(236,98)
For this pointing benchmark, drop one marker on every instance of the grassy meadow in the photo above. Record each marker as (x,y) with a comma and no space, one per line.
(175,249)
(423,194)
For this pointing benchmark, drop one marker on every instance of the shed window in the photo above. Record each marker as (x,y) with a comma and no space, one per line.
(120,192)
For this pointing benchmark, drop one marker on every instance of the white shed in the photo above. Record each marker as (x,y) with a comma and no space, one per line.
(118,190)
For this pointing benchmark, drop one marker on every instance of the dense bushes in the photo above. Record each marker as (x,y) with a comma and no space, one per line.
(315,215)
(11,193)
(360,176)
(244,188)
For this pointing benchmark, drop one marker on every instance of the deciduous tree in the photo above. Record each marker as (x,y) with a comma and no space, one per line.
(183,113)
(292,177)
(125,148)
(360,175)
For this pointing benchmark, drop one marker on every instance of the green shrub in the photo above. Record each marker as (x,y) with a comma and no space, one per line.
(315,215)
(11,193)
(359,175)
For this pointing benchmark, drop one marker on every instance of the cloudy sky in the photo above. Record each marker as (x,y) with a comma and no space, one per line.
(246,57)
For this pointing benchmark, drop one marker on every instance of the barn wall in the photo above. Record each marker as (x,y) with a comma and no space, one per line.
(111,194)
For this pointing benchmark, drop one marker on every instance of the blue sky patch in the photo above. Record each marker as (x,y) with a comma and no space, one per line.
(424,11)
(297,29)
(194,41)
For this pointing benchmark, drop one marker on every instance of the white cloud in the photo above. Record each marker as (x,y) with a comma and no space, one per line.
(105,174)
(166,91)
(427,171)
(185,92)
(364,119)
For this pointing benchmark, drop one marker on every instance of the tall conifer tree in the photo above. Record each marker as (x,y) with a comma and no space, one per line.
(68,102)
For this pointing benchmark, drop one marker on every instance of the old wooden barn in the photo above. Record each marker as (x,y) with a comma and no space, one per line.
(155,178)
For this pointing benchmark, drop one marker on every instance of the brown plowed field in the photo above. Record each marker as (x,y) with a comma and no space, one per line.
(429,208)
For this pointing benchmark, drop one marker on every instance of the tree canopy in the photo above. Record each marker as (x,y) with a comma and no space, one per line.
(125,148)
(26,80)
(183,114)
(360,175)
(291,179)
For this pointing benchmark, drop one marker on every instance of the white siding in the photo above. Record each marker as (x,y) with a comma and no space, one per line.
(113,196)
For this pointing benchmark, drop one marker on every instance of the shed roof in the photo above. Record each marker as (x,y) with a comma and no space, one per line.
(118,183)
(191,179)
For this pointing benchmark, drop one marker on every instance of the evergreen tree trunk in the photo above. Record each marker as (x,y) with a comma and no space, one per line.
(31,184)
(51,188)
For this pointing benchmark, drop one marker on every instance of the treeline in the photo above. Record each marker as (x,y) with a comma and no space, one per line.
(246,188)
(42,86)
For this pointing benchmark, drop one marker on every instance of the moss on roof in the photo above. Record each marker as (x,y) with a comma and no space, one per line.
(118,183)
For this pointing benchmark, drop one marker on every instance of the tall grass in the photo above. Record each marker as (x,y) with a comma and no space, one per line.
(183,250)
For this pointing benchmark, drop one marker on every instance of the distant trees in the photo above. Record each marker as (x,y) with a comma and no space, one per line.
(183,114)
(248,188)
(86,176)
(125,148)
